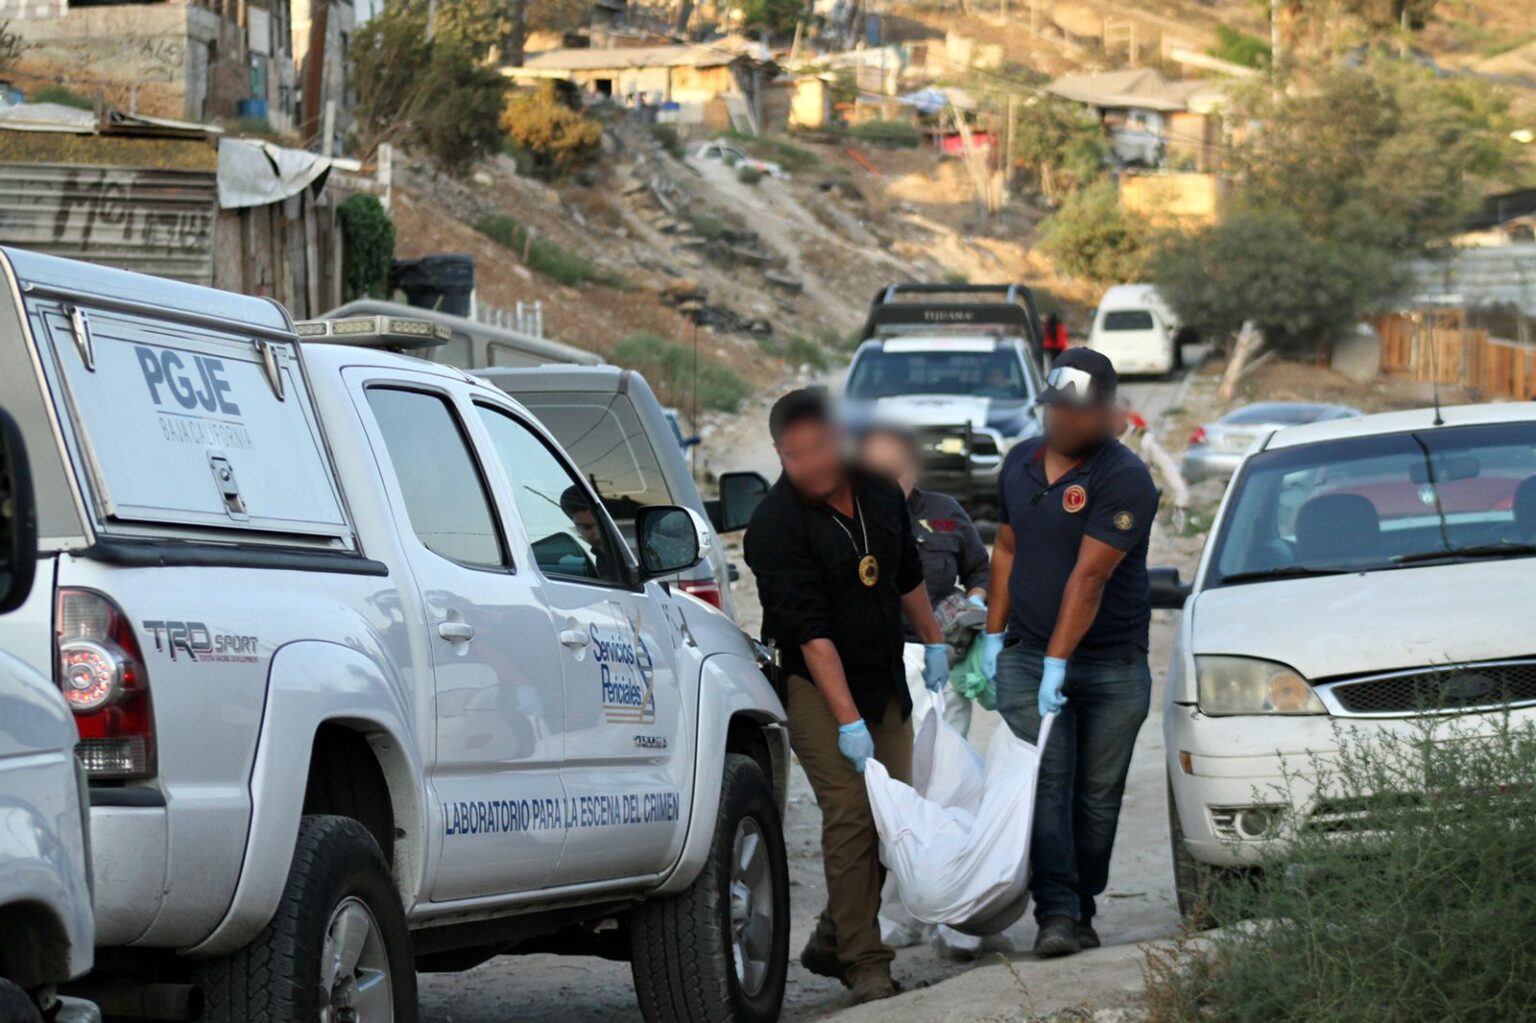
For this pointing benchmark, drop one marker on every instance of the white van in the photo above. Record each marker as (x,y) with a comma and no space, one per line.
(1135,328)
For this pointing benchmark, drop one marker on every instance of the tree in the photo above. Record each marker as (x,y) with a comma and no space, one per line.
(1094,238)
(407,84)
(1386,155)
(556,138)
(1262,266)
(1060,142)
(777,16)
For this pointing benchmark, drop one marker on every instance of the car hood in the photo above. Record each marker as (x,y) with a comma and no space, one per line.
(1009,416)
(1376,621)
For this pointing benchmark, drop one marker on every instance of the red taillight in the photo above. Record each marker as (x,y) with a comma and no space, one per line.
(1198,437)
(706,590)
(101,673)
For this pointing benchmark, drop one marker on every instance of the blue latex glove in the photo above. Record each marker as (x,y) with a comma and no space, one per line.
(855,743)
(991,646)
(978,600)
(1054,677)
(935,666)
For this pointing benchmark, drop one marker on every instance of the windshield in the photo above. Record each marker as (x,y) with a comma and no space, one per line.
(881,373)
(1378,502)
(1128,319)
(604,436)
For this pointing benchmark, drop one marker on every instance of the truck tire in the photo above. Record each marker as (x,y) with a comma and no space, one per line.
(719,952)
(339,904)
(16,1006)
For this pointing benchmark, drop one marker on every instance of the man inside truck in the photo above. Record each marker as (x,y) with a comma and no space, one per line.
(578,507)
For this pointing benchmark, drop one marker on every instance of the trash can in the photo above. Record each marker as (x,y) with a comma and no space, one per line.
(252,109)
(444,283)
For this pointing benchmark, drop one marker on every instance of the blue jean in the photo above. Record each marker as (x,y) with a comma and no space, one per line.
(1082,770)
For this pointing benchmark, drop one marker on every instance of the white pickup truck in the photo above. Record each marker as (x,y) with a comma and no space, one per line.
(360,692)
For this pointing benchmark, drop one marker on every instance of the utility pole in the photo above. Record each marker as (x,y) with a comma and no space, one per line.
(314,70)
(1013,120)
(517,38)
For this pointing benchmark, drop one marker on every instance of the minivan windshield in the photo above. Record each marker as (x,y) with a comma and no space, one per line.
(881,373)
(1128,319)
(1368,503)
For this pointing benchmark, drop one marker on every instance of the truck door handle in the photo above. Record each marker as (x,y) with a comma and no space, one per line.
(456,632)
(575,638)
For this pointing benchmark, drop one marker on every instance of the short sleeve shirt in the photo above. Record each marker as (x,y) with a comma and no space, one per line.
(1110,496)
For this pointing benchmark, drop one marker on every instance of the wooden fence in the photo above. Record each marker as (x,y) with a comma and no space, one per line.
(1437,345)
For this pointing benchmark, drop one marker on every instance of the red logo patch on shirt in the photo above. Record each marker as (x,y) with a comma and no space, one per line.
(1073,498)
(943,525)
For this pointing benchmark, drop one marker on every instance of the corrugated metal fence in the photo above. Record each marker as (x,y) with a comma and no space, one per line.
(1438,346)
(153,221)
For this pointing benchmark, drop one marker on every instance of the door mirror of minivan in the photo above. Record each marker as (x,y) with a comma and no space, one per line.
(670,539)
(18,519)
(1168,590)
(740,494)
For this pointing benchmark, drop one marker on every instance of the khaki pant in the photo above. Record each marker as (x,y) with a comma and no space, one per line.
(850,846)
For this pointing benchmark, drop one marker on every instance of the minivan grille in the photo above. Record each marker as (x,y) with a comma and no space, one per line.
(1440,690)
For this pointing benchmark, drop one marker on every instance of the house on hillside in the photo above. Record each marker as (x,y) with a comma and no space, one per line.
(190,60)
(1152,121)
(717,85)
(1508,218)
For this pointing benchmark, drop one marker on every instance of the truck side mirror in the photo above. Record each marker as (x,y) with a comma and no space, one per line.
(1168,590)
(670,539)
(18,518)
(740,494)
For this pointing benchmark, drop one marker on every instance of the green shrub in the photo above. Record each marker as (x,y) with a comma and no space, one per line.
(896,134)
(255,127)
(558,138)
(667,135)
(1417,903)
(1094,239)
(369,236)
(708,226)
(62,96)
(546,256)
(800,350)
(669,368)
(1240,48)
(748,174)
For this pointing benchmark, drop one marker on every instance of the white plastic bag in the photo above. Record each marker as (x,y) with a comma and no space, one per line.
(962,864)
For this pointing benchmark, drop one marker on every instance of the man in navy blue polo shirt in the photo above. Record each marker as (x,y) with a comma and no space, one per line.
(1067,633)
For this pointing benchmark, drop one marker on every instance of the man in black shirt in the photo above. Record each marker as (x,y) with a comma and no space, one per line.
(836,566)
(1067,633)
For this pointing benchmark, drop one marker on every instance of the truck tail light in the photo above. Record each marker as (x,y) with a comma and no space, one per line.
(1198,437)
(101,673)
(707,590)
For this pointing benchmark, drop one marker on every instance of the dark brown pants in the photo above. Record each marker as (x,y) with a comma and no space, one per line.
(850,846)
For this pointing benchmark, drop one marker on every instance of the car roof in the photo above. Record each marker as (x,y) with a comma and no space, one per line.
(1256,412)
(604,379)
(1402,422)
(959,342)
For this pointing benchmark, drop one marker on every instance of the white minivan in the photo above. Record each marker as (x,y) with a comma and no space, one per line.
(1136,330)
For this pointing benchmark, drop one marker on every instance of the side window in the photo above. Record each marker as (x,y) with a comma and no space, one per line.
(444,494)
(570,538)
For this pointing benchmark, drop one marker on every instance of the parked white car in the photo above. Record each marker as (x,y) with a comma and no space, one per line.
(1136,330)
(734,156)
(46,929)
(1361,573)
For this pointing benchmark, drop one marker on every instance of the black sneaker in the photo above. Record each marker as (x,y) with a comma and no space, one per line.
(1057,937)
(1087,937)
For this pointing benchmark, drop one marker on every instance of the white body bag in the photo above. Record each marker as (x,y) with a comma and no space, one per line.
(956,842)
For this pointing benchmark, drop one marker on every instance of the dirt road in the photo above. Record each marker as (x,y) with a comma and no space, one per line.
(1138,905)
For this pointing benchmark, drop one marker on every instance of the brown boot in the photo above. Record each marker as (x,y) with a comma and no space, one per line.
(820,952)
(872,983)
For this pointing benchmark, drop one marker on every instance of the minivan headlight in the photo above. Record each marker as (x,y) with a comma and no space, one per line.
(1245,685)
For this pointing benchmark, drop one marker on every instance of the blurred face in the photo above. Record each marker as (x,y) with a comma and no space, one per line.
(889,456)
(1075,430)
(812,456)
(586,525)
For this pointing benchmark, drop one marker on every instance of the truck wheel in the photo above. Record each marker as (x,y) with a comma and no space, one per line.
(15,1006)
(719,952)
(337,950)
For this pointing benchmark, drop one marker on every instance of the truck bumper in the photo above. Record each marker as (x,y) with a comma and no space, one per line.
(130,852)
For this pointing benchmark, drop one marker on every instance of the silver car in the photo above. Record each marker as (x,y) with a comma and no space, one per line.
(1215,449)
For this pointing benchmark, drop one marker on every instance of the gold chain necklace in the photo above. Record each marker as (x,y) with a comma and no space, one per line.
(869,566)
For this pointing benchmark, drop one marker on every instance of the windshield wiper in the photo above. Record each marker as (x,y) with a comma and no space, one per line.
(1505,549)
(1285,572)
